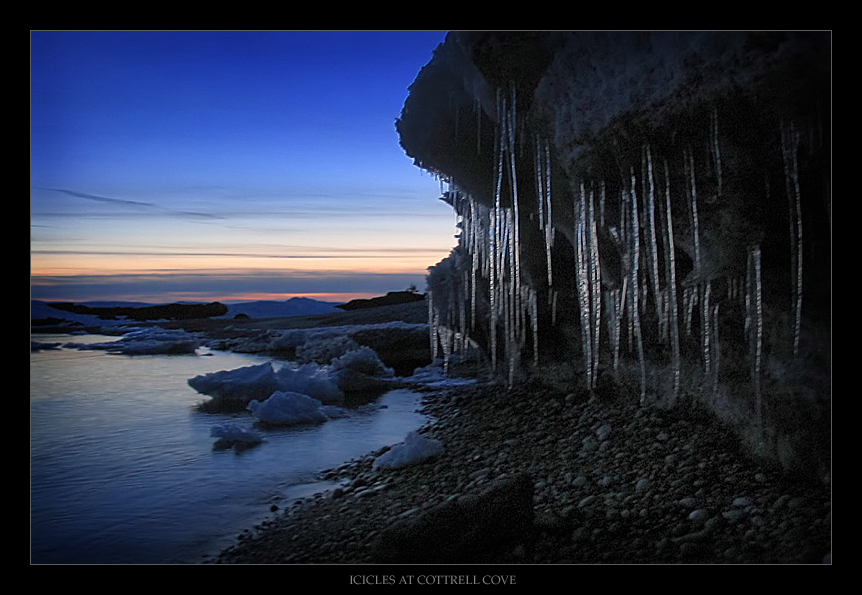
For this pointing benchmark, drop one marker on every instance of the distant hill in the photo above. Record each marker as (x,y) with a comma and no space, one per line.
(175,311)
(390,299)
(52,314)
(297,306)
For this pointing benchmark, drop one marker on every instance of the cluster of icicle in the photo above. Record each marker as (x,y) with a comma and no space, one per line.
(491,240)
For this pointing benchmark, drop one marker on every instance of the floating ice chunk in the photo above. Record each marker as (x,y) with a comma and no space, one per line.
(415,448)
(310,379)
(288,408)
(229,434)
(250,382)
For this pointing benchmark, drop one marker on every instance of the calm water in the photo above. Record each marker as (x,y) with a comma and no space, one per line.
(122,468)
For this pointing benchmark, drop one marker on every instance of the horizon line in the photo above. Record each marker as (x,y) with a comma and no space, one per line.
(327,297)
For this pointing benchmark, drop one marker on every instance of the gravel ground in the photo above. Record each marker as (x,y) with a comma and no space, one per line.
(614,483)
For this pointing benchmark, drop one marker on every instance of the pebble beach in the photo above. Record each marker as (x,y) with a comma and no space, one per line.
(613,483)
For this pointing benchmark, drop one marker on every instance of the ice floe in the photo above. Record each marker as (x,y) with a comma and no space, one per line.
(284,408)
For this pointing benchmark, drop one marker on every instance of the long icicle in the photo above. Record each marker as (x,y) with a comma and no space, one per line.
(670,259)
(543,197)
(652,241)
(715,149)
(695,222)
(515,250)
(754,324)
(790,147)
(582,261)
(494,236)
(634,306)
(595,283)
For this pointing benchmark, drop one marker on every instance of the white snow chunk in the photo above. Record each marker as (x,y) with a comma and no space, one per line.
(288,408)
(149,341)
(234,433)
(364,360)
(310,379)
(415,448)
(323,348)
(434,376)
(256,381)
(261,380)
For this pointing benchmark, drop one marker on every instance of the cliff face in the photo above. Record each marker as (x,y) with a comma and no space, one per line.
(645,211)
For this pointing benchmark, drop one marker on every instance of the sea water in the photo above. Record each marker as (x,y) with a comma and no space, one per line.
(123,468)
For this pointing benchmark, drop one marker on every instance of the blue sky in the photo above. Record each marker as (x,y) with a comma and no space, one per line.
(227,166)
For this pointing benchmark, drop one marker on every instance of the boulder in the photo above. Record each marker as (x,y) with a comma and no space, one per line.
(465,530)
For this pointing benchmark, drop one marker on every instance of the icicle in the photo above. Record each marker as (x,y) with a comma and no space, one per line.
(715,150)
(634,264)
(494,233)
(512,309)
(754,323)
(652,244)
(790,147)
(582,277)
(474,260)
(716,351)
(588,280)
(432,323)
(695,224)
(602,204)
(515,211)
(540,184)
(689,301)
(543,198)
(446,341)
(595,282)
(670,283)
(705,326)
(553,298)
(462,310)
(614,322)
(534,318)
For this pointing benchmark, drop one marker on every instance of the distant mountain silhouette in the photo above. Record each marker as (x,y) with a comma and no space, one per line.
(391,298)
(158,312)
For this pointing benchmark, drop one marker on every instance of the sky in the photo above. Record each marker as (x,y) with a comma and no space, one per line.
(227,166)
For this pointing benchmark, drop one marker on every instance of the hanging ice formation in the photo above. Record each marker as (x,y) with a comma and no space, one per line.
(489,293)
(588,282)
(754,323)
(789,148)
(490,242)
(632,262)
(543,201)
(670,312)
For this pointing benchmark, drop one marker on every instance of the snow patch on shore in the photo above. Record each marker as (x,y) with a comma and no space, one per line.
(148,341)
(414,449)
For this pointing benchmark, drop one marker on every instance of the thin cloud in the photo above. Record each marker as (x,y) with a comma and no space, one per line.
(104,198)
(133,203)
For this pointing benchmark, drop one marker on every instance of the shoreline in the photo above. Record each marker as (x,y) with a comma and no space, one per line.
(613,483)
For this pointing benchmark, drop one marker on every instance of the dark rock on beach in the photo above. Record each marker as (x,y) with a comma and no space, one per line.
(468,529)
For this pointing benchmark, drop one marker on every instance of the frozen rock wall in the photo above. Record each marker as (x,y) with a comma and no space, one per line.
(641,212)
